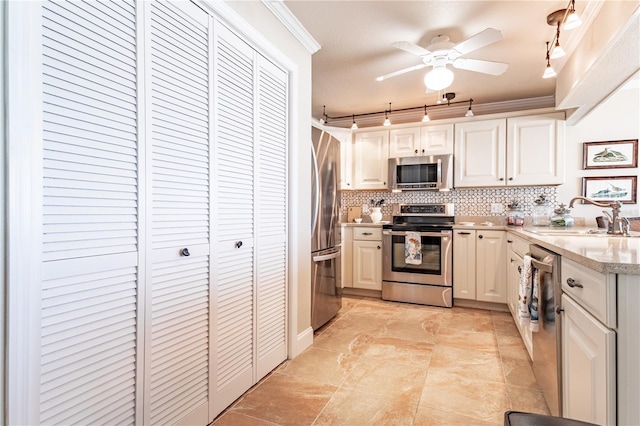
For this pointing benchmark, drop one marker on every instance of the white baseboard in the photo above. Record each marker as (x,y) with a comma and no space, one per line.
(301,342)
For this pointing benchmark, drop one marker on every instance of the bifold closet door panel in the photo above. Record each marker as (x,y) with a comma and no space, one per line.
(233,293)
(90,221)
(177,319)
(271,216)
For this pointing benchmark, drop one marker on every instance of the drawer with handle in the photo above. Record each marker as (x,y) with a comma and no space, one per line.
(593,290)
(365,233)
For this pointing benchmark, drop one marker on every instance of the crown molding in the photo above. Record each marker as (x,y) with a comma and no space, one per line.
(282,12)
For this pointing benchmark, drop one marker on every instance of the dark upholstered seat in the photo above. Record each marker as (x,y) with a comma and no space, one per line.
(518,418)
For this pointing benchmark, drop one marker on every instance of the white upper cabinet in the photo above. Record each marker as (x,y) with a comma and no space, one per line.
(480,152)
(420,141)
(345,136)
(535,150)
(515,151)
(371,160)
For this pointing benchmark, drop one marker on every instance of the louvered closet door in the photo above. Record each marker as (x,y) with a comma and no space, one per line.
(233,292)
(177,350)
(271,217)
(89,290)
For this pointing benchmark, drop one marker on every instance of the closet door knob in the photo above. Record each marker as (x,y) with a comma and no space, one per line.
(185,252)
(238,244)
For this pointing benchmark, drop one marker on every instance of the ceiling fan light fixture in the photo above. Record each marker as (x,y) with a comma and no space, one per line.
(440,77)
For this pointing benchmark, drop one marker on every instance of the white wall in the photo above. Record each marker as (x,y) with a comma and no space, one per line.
(614,119)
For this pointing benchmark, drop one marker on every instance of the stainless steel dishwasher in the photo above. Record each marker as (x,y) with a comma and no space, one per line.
(547,359)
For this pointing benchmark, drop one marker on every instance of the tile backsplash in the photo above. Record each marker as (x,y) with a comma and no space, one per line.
(467,202)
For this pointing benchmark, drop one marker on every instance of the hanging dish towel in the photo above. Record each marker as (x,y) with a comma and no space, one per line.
(524,291)
(535,301)
(412,248)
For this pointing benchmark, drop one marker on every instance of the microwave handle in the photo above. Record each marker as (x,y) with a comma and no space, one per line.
(439,173)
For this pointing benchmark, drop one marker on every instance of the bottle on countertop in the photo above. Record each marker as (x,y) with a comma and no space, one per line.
(515,216)
(561,217)
(541,211)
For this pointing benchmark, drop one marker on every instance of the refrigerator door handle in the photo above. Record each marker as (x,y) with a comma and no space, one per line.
(316,197)
(322,258)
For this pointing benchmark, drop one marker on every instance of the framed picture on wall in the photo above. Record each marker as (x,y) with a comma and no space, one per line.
(610,154)
(610,188)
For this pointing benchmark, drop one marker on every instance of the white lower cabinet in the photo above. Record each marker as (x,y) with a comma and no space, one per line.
(367,258)
(479,271)
(588,344)
(588,366)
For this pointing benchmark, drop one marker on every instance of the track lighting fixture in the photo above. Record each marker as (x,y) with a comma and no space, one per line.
(446,97)
(549,72)
(386,117)
(569,20)
(426,118)
(469,111)
(323,120)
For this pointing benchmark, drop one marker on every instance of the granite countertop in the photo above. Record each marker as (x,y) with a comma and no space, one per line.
(606,254)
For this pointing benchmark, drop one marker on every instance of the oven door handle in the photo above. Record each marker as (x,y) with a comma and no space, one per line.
(422,234)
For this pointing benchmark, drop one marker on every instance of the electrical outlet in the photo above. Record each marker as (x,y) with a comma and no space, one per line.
(497,208)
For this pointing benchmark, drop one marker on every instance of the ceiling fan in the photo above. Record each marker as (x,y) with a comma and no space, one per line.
(442,52)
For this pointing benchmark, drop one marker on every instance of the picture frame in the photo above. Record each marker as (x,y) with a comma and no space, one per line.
(610,154)
(610,188)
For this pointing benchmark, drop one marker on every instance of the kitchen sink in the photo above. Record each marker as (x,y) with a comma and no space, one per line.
(580,232)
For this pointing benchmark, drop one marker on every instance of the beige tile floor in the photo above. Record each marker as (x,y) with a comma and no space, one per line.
(386,363)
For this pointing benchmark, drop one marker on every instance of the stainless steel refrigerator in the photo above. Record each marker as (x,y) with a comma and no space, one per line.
(326,300)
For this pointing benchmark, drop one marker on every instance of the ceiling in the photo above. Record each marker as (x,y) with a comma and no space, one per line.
(356,37)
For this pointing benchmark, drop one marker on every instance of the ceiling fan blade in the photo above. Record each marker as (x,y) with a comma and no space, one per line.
(483,38)
(411,48)
(478,65)
(402,71)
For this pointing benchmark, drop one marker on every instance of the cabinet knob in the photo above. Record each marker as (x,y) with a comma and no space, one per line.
(379,247)
(367,233)
(423,151)
(559,310)
(519,269)
(512,260)
(464,233)
(501,179)
(510,178)
(509,241)
(185,252)
(416,151)
(572,283)
(238,244)
(348,184)
(480,236)
(384,183)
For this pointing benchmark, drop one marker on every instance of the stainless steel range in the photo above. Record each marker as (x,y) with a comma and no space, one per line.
(416,254)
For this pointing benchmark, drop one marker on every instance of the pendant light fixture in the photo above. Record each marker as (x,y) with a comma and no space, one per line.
(354,126)
(469,111)
(549,72)
(323,120)
(426,118)
(572,20)
(557,51)
(386,117)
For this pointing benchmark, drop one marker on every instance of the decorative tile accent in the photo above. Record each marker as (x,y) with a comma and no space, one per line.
(467,202)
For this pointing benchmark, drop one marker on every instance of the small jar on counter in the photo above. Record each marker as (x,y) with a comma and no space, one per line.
(515,216)
(541,212)
(561,217)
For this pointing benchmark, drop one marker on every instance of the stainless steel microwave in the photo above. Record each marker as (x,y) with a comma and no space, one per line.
(432,172)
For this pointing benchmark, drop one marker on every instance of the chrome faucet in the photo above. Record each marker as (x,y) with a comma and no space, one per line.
(616,224)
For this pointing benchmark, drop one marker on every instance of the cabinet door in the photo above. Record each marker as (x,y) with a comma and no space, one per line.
(514,266)
(436,139)
(371,160)
(233,217)
(491,280)
(346,156)
(535,150)
(404,142)
(178,351)
(367,265)
(464,264)
(347,257)
(89,364)
(588,366)
(480,153)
